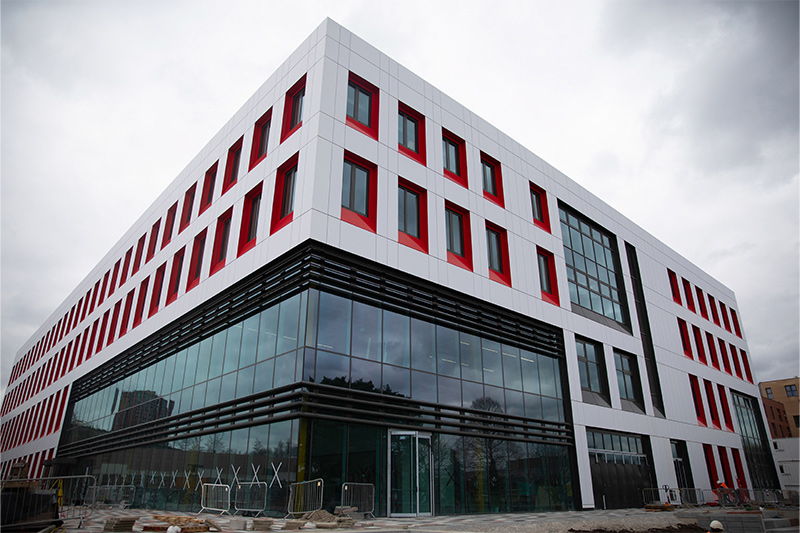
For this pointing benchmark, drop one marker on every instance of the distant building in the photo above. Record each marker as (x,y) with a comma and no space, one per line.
(776,419)
(787,455)
(360,280)
(785,392)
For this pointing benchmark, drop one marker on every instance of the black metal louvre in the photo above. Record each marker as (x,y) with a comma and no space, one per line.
(317,401)
(320,266)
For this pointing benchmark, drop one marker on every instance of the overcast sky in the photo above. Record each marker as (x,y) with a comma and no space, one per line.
(681,115)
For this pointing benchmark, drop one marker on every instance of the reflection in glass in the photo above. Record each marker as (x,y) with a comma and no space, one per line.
(396,339)
(366,331)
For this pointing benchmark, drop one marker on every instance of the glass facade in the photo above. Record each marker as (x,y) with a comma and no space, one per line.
(593,268)
(339,344)
(754,440)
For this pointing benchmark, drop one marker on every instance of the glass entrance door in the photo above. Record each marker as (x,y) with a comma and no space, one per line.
(410,474)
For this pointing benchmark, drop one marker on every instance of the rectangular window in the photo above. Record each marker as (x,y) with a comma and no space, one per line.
(175,276)
(701,302)
(726,410)
(791,390)
(726,469)
(114,320)
(102,332)
(768,390)
(698,400)
(232,165)
(196,264)
(359,192)
(362,106)
(155,297)
(541,214)
(151,246)
(594,274)
(698,341)
(411,133)
(137,261)
(293,108)
(712,350)
(735,358)
(497,250)
(736,327)
(111,288)
(260,139)
(547,276)
(723,354)
(712,305)
(186,214)
(249,227)
(169,225)
(283,200)
(724,312)
(454,156)
(712,404)
(412,216)
(492,180)
(687,344)
(139,313)
(673,285)
(687,291)
(737,463)
(628,378)
(209,181)
(99,301)
(221,238)
(746,365)
(459,239)
(591,366)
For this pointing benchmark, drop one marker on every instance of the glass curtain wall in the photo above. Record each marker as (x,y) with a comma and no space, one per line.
(323,338)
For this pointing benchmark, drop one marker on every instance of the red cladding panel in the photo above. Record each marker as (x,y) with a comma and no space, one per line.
(169,225)
(698,400)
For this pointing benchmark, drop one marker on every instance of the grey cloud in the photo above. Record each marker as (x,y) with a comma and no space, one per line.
(734,101)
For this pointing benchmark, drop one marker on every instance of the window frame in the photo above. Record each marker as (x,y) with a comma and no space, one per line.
(362,85)
(248,225)
(152,245)
(420,242)
(541,194)
(256,155)
(591,395)
(209,181)
(634,380)
(169,225)
(504,274)
(673,285)
(233,165)
(222,240)
(463,261)
(290,165)
(791,390)
(137,264)
(138,314)
(697,397)
(712,304)
(461,174)
(196,263)
(368,221)
(546,256)
(712,404)
(496,170)
(687,291)
(420,155)
(698,341)
(155,296)
(188,204)
(288,126)
(175,276)
(686,342)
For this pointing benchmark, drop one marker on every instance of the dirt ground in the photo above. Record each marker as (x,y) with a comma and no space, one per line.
(682,528)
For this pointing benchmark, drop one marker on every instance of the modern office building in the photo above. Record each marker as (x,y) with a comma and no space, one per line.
(360,280)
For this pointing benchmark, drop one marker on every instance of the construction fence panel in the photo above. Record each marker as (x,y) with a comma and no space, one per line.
(41,501)
(215,497)
(305,497)
(361,496)
(250,497)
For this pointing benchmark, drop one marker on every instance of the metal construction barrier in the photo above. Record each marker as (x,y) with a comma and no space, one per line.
(215,497)
(42,501)
(305,497)
(113,495)
(662,496)
(361,496)
(250,497)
